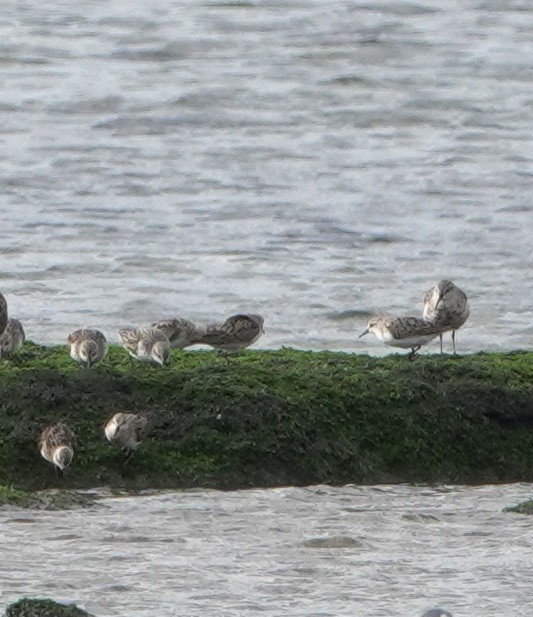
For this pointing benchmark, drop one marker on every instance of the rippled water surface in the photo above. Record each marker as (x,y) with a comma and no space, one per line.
(389,551)
(311,160)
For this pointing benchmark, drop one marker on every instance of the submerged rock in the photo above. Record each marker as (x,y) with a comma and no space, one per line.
(43,500)
(526,507)
(333,542)
(43,608)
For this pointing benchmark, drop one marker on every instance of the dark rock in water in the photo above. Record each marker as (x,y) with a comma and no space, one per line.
(333,542)
(526,507)
(43,608)
(437,612)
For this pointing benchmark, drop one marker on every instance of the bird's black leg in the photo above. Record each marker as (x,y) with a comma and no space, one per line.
(440,336)
(453,341)
(128,455)
(223,354)
(413,351)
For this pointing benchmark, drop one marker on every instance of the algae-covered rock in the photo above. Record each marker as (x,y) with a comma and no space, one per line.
(267,418)
(43,608)
(43,500)
(526,507)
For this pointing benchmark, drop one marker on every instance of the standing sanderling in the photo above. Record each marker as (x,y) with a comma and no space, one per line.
(126,430)
(3,313)
(235,334)
(446,306)
(11,338)
(56,445)
(180,332)
(405,332)
(87,346)
(437,612)
(146,344)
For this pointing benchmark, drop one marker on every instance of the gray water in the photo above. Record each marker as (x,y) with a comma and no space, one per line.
(388,551)
(314,161)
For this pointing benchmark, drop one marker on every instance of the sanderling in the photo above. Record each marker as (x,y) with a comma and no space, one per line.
(87,346)
(437,612)
(446,305)
(56,445)
(146,344)
(3,313)
(180,332)
(11,338)
(405,332)
(236,333)
(126,430)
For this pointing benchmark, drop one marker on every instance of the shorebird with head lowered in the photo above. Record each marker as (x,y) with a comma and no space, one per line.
(235,334)
(126,430)
(405,332)
(3,313)
(56,445)
(146,344)
(446,305)
(180,332)
(87,346)
(12,338)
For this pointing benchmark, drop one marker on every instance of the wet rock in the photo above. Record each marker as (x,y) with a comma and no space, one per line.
(11,499)
(420,518)
(333,542)
(43,608)
(526,507)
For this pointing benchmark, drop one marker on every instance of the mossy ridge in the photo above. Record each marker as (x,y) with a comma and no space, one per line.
(526,507)
(274,417)
(30,607)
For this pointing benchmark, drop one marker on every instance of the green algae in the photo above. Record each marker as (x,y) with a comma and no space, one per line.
(10,495)
(29,607)
(526,507)
(11,498)
(273,417)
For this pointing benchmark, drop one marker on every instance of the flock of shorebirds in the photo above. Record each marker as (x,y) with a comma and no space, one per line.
(445,309)
(153,343)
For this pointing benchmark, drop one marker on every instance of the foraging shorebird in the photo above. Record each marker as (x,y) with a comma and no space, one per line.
(235,334)
(405,332)
(180,332)
(56,445)
(87,346)
(126,430)
(11,338)
(446,305)
(146,344)
(437,612)
(3,313)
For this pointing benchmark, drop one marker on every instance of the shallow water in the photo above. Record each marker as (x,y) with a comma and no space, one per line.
(388,551)
(311,161)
